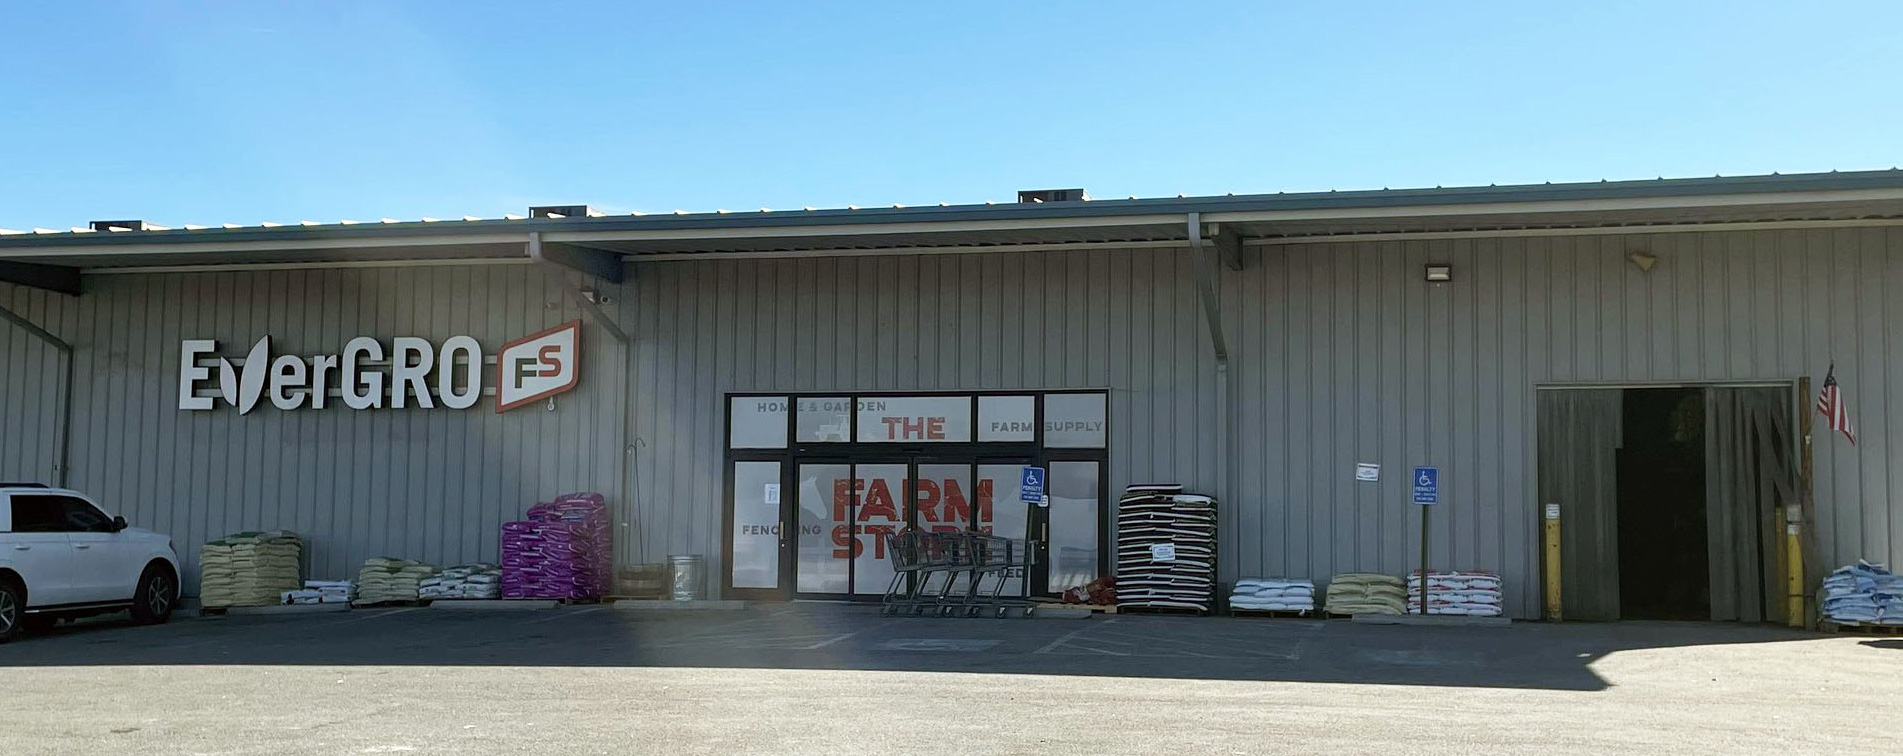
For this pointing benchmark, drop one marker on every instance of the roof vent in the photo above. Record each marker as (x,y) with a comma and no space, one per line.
(1029,196)
(559,211)
(119,225)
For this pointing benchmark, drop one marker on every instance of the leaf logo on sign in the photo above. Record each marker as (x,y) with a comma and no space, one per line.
(244,390)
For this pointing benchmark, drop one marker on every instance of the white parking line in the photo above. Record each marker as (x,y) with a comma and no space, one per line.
(834,639)
(1048,647)
(560,613)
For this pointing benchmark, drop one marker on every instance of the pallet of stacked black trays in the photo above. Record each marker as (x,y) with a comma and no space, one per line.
(1166,550)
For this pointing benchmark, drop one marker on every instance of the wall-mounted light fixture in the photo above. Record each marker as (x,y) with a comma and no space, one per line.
(1439,272)
(1645,260)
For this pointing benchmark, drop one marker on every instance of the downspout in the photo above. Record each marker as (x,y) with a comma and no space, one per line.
(1208,289)
(627,468)
(64,454)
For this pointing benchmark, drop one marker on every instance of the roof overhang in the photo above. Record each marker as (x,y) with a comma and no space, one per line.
(1677,204)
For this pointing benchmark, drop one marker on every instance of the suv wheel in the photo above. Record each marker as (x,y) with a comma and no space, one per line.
(12,611)
(157,594)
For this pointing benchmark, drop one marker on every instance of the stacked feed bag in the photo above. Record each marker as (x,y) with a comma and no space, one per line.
(562,550)
(1366,593)
(1166,548)
(384,579)
(1454,592)
(1865,594)
(1273,594)
(467,581)
(249,569)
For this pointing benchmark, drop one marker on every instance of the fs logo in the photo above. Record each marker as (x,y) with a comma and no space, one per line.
(538,366)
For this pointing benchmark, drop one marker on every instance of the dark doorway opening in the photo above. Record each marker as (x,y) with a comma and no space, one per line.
(1664,552)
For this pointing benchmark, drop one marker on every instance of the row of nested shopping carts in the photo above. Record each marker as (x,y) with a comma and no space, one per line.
(945,574)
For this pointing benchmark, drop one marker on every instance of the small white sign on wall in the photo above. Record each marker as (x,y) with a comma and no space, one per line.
(1163,552)
(1367,472)
(772,494)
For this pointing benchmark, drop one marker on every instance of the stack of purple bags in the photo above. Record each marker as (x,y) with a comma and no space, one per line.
(561,551)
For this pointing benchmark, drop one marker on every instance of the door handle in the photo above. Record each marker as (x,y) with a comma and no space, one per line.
(82,545)
(22,547)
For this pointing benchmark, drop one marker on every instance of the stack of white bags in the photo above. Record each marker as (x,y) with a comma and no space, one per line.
(249,569)
(1456,593)
(1864,594)
(1273,594)
(390,579)
(468,581)
(322,592)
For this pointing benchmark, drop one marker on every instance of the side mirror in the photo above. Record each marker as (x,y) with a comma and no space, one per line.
(119,523)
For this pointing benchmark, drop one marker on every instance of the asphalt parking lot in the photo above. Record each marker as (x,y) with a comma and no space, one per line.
(829,680)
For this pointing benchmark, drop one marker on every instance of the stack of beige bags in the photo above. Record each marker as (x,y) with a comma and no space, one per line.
(249,569)
(1366,593)
(390,579)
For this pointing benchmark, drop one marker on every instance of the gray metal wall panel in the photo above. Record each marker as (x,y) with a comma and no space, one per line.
(1340,354)
(426,484)
(1465,358)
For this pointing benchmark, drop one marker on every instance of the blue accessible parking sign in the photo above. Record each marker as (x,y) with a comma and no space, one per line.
(1031,487)
(1426,485)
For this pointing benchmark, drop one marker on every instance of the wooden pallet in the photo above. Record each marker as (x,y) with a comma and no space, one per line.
(1096,608)
(1273,613)
(1178,610)
(1335,616)
(1852,628)
(388,604)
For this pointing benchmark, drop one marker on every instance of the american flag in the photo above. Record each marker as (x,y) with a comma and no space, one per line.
(1830,404)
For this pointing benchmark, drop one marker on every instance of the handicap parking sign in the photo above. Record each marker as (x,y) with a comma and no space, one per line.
(1426,485)
(1031,487)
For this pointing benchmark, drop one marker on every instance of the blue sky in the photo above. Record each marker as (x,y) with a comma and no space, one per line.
(181,112)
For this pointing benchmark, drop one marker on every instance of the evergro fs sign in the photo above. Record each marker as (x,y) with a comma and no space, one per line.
(365,376)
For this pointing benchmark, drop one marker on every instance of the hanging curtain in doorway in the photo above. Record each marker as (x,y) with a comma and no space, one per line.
(1748,478)
(1580,431)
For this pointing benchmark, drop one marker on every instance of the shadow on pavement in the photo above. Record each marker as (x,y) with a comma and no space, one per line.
(1524,655)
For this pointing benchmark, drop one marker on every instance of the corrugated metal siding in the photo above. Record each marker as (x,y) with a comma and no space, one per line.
(1345,354)
(29,389)
(1120,319)
(1341,354)
(423,484)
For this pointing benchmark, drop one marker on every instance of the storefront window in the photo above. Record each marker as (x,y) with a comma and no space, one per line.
(1007,418)
(757,422)
(1074,421)
(1075,515)
(756,525)
(823,420)
(825,535)
(881,512)
(913,419)
(1001,512)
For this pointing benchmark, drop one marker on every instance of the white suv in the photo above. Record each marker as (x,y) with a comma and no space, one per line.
(62,557)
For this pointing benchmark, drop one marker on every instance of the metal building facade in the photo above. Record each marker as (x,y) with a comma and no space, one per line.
(1339,353)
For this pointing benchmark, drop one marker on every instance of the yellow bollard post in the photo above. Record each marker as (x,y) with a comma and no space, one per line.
(1552,562)
(1793,567)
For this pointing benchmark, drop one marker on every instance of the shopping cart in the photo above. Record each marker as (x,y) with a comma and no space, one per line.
(945,573)
(918,558)
(995,557)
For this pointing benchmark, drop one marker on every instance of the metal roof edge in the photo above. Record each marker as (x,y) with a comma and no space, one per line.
(500,230)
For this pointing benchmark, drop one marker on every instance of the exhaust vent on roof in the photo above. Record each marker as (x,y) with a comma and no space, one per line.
(560,211)
(1052,195)
(119,225)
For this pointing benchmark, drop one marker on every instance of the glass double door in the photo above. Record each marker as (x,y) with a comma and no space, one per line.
(845,509)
